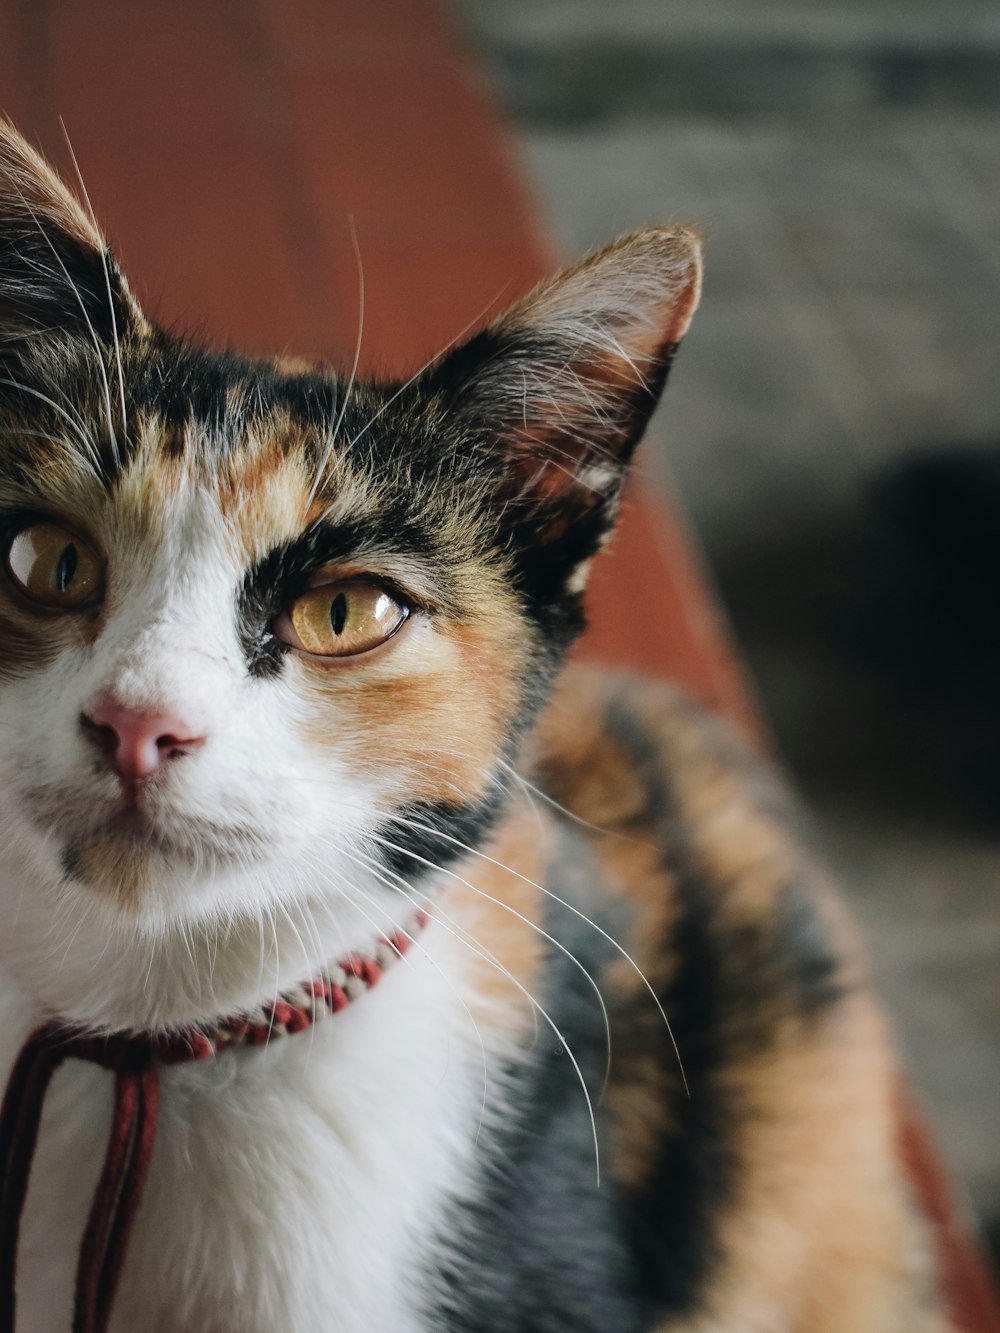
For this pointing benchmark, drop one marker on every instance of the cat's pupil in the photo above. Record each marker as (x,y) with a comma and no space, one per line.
(338,613)
(66,568)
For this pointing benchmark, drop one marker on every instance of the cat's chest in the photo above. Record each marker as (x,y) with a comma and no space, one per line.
(299,1187)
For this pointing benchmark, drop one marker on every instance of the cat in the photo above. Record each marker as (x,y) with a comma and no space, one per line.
(279,684)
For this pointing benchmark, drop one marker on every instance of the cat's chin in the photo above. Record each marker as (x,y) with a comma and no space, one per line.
(130,853)
(189,950)
(129,858)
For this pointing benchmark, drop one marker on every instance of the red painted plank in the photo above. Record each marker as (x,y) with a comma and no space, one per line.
(175,117)
(968,1283)
(395,139)
(17,70)
(650,611)
(156,76)
(204,242)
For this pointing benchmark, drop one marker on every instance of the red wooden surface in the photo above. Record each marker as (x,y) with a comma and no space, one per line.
(969,1287)
(233,148)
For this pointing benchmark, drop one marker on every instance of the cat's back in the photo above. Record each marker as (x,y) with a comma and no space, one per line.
(754,1142)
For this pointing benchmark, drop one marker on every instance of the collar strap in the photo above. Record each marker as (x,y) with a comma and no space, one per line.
(294,1010)
(134,1059)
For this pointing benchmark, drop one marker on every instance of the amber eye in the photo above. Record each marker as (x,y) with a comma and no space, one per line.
(342,619)
(54,567)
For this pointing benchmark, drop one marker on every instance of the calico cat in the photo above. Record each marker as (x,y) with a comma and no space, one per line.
(278,710)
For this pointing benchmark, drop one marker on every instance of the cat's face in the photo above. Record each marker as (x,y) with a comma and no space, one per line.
(261,632)
(239,675)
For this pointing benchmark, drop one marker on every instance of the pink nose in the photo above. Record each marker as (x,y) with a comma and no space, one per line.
(137,742)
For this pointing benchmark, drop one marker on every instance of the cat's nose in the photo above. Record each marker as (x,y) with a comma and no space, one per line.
(137,742)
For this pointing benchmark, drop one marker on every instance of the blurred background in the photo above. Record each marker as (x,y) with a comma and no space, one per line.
(832,427)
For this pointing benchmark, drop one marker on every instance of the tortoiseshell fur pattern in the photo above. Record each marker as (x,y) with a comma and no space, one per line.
(631,1077)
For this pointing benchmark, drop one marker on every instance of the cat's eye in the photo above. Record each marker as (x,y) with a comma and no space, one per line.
(54,567)
(342,619)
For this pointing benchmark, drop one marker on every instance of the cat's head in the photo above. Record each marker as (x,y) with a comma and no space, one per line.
(262,632)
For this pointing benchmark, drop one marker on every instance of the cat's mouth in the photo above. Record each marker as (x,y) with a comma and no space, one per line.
(141,834)
(129,854)
(179,838)
(132,822)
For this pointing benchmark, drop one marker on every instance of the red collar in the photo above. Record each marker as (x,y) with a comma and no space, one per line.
(134,1058)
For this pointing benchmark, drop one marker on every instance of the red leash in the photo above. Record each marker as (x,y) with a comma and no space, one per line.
(134,1059)
(126,1161)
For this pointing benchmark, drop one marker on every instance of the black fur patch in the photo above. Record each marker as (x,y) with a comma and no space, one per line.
(429,835)
(671,1223)
(50,283)
(803,939)
(729,986)
(539,1247)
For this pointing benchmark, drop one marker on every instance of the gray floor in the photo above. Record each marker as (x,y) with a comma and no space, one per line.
(844,162)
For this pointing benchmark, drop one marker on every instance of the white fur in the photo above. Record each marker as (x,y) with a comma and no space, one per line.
(292,1189)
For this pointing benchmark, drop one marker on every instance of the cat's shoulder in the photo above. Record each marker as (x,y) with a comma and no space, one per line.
(692,829)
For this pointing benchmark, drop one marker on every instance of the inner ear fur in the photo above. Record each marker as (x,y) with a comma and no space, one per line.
(55,267)
(560,389)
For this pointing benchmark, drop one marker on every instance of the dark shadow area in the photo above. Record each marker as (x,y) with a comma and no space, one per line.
(582,79)
(888,626)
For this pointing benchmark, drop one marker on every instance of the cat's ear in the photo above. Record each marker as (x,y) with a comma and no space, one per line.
(559,390)
(56,273)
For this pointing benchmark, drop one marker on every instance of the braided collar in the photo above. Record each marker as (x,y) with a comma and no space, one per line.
(293,1010)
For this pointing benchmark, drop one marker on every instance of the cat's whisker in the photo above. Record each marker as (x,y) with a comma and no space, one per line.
(107,284)
(82,914)
(415,944)
(105,948)
(526,792)
(68,907)
(213,954)
(393,397)
(261,920)
(563,810)
(313,965)
(539,793)
(563,902)
(149,967)
(326,958)
(400,884)
(307,909)
(319,962)
(307,958)
(187,939)
(321,966)
(338,422)
(277,963)
(86,315)
(76,424)
(557,1032)
(533,925)
(466,939)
